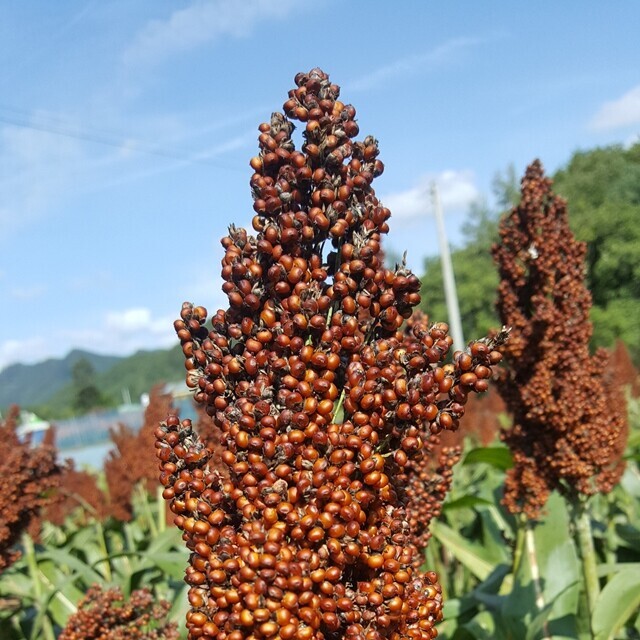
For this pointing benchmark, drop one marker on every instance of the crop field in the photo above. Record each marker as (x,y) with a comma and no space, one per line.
(352,472)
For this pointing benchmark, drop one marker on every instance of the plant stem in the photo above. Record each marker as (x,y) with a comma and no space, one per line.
(338,407)
(530,544)
(533,563)
(518,554)
(103,547)
(131,544)
(34,572)
(32,563)
(519,548)
(143,496)
(81,501)
(162,506)
(584,541)
(59,595)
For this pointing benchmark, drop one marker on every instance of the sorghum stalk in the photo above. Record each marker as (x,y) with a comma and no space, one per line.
(161,509)
(569,429)
(310,525)
(36,581)
(534,568)
(586,550)
(106,558)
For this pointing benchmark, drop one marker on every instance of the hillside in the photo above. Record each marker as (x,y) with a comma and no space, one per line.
(135,374)
(33,384)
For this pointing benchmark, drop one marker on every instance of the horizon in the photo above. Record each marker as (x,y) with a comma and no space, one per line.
(89,352)
(126,134)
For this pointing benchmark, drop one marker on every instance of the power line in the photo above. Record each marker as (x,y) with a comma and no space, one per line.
(133,145)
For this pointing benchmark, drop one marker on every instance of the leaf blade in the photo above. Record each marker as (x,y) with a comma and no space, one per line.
(616,604)
(497,457)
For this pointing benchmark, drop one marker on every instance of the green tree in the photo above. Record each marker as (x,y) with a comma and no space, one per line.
(87,396)
(475,274)
(602,187)
(506,188)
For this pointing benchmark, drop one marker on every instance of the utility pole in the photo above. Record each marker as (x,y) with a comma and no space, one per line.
(450,292)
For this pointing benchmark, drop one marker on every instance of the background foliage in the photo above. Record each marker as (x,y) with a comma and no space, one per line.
(484,569)
(602,187)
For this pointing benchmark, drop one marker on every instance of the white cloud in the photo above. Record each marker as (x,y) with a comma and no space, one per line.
(411,64)
(628,143)
(457,190)
(135,322)
(205,21)
(28,292)
(623,112)
(120,333)
(128,321)
(123,332)
(25,350)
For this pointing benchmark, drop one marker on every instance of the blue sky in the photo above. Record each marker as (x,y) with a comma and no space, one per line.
(126,130)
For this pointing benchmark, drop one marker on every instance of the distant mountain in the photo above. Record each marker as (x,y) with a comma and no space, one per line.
(133,375)
(32,384)
(141,371)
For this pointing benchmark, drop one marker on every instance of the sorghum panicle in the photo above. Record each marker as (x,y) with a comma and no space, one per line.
(569,428)
(78,491)
(28,474)
(212,438)
(322,403)
(106,615)
(623,372)
(132,460)
(428,482)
